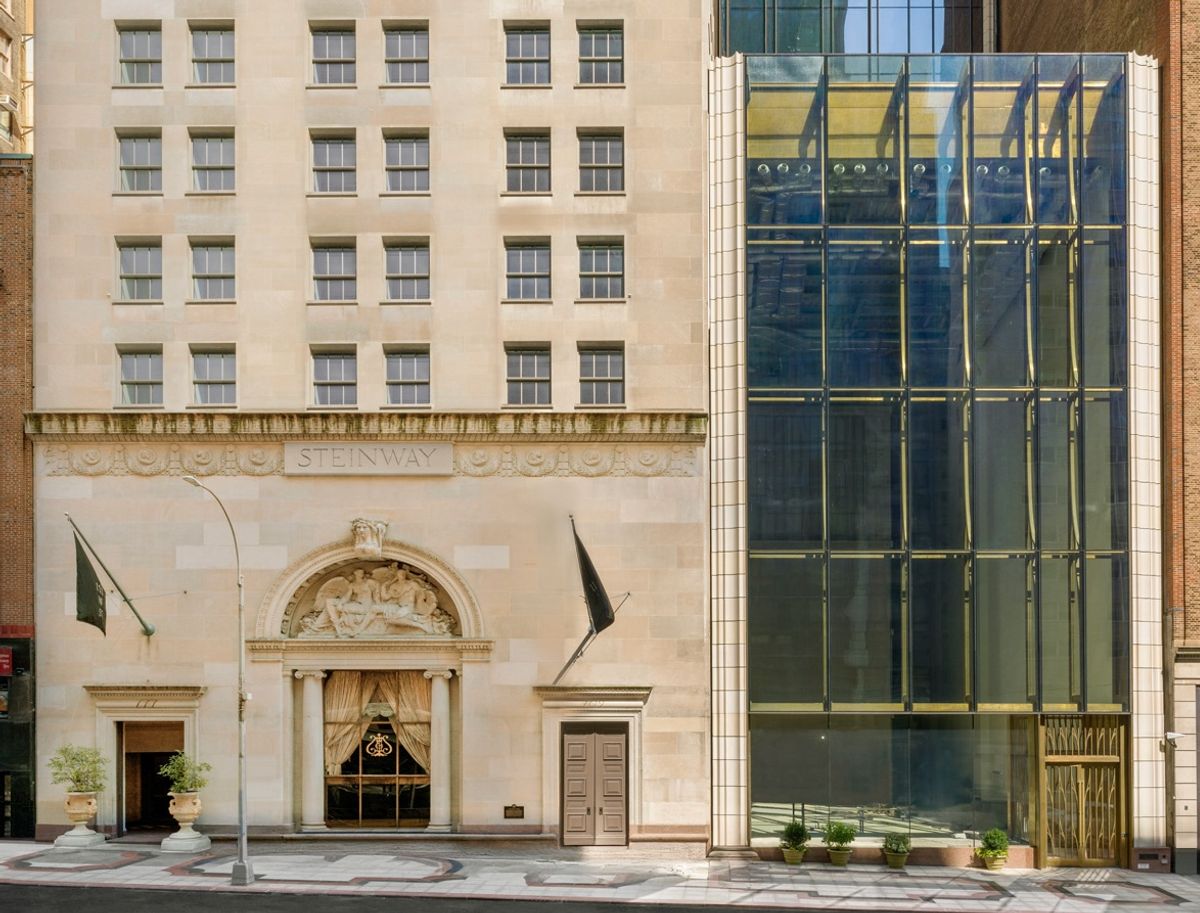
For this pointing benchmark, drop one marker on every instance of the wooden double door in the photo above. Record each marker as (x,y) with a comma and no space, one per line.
(594,789)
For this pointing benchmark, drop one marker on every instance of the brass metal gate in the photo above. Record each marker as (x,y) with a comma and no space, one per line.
(1083,789)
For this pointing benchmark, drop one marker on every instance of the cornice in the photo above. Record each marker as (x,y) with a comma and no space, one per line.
(564,427)
(143,693)
(308,648)
(593,693)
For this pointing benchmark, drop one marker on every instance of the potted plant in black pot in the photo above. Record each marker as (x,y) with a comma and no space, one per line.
(993,849)
(896,848)
(838,837)
(794,842)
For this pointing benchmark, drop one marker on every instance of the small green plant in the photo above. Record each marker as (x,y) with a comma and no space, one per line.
(82,768)
(839,835)
(186,774)
(795,836)
(897,843)
(993,844)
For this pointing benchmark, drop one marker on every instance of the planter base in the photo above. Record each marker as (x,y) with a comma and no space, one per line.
(181,842)
(76,838)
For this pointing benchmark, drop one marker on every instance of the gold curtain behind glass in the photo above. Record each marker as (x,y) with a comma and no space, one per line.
(346,697)
(408,694)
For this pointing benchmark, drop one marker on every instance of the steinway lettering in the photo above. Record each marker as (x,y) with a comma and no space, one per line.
(368,458)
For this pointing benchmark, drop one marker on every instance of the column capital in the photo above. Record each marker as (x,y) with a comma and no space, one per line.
(439,673)
(305,673)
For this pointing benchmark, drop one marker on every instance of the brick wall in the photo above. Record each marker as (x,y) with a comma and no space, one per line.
(16,20)
(16,380)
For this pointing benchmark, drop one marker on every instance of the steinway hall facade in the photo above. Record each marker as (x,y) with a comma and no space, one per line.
(935,316)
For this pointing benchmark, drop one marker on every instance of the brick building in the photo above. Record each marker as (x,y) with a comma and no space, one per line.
(16,82)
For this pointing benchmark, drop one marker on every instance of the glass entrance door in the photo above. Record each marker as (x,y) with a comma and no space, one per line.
(1083,776)
(379,785)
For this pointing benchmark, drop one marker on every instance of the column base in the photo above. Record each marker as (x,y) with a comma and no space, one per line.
(313,828)
(732,852)
(191,843)
(438,829)
(72,840)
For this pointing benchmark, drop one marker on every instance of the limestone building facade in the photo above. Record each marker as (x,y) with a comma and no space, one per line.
(406,286)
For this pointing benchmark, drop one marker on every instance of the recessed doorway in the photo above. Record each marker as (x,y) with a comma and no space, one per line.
(595,784)
(144,748)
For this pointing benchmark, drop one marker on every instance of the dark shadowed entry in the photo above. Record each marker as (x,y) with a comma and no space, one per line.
(145,747)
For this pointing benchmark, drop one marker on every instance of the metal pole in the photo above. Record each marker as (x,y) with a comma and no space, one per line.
(242,874)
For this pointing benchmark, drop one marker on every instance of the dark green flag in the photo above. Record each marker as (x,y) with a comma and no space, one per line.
(89,594)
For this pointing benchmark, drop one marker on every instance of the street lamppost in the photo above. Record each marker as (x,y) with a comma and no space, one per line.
(242,873)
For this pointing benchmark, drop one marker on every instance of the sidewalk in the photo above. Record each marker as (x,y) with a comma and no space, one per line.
(542,872)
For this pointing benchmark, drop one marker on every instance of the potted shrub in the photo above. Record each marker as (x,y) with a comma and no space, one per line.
(794,842)
(187,776)
(838,837)
(896,848)
(993,849)
(82,769)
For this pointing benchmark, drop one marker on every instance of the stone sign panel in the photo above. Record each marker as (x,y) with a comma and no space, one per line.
(368,458)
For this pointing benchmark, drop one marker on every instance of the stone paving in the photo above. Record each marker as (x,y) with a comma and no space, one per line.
(650,875)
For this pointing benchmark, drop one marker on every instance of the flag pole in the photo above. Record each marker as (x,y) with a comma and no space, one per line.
(588,638)
(147,628)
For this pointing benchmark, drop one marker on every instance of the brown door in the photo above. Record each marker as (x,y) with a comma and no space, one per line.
(593,789)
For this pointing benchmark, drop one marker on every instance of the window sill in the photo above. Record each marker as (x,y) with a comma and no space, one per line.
(137,193)
(528,407)
(316,193)
(137,407)
(138,301)
(401,193)
(405,302)
(601,301)
(404,85)
(217,407)
(523,193)
(331,408)
(527,301)
(332,85)
(334,303)
(600,407)
(210,193)
(210,85)
(137,85)
(210,301)
(599,85)
(600,193)
(533,85)
(390,408)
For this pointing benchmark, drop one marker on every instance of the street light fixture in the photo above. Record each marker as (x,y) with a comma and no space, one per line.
(242,873)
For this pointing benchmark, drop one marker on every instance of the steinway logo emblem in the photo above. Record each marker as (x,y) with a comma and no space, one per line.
(368,458)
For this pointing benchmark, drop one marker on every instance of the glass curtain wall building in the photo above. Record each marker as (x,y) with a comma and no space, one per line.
(937,446)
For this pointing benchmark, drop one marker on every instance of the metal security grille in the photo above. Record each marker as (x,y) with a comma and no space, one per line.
(1083,789)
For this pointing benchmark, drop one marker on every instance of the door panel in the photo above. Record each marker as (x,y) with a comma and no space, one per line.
(593,789)
(579,776)
(610,776)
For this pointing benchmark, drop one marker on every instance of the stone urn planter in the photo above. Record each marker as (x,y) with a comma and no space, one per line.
(80,809)
(81,769)
(185,808)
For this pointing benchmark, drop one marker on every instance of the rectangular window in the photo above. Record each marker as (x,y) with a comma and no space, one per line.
(141,378)
(527,56)
(601,56)
(334,161)
(335,379)
(601,162)
(140,56)
(213,272)
(527,272)
(141,164)
(406,56)
(407,272)
(6,55)
(140,272)
(602,376)
(334,274)
(408,378)
(212,56)
(333,57)
(528,163)
(602,271)
(528,376)
(213,164)
(214,378)
(6,125)
(406,159)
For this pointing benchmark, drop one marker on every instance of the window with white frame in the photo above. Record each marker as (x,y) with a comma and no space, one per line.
(527,56)
(139,56)
(6,124)
(602,270)
(212,56)
(527,374)
(408,377)
(333,57)
(406,55)
(335,378)
(601,162)
(335,159)
(527,271)
(407,270)
(528,163)
(6,55)
(601,375)
(213,164)
(140,271)
(213,271)
(140,163)
(214,377)
(141,377)
(335,274)
(601,55)
(406,160)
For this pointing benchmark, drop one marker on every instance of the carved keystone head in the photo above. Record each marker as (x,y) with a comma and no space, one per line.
(368,537)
